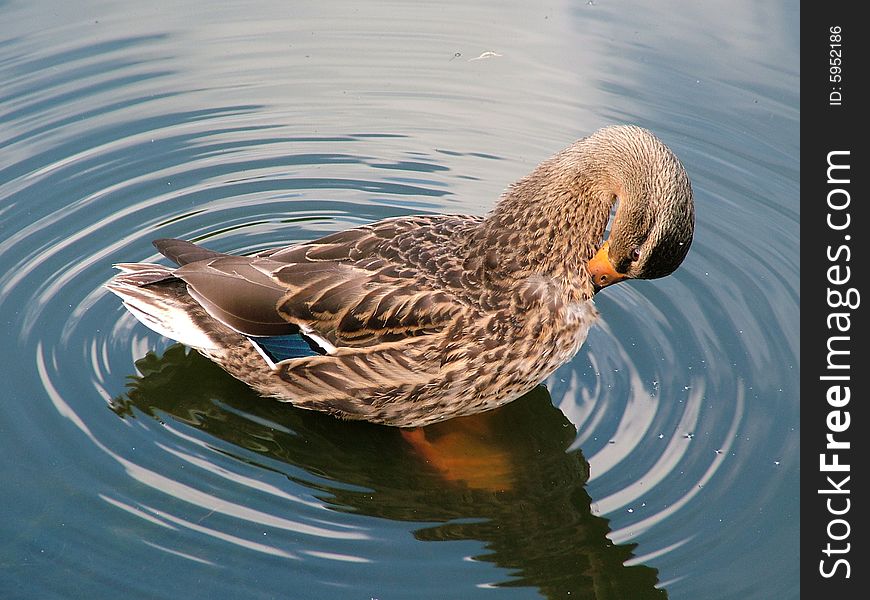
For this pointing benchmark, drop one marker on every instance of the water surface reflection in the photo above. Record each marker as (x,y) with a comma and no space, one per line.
(505,478)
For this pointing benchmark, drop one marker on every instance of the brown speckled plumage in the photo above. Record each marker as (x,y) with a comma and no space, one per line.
(431,317)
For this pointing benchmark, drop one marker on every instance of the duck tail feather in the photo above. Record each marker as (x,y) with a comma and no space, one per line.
(182,252)
(160,301)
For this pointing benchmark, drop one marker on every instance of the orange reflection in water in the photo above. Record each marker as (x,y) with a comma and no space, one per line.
(465,451)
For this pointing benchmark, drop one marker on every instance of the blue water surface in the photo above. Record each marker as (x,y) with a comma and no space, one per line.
(661,462)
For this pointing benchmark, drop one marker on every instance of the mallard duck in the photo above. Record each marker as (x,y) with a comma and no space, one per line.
(413,320)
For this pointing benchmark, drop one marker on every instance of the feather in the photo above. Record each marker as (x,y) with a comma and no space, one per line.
(284,347)
(182,252)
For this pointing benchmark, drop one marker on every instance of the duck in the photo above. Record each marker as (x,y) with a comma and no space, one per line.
(413,320)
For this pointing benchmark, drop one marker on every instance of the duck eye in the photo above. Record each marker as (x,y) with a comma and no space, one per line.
(635,254)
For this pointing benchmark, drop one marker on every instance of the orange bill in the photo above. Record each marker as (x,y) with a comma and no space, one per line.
(601,269)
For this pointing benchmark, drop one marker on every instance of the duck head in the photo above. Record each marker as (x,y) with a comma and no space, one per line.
(654,223)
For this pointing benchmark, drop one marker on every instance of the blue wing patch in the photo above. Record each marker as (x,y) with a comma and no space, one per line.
(282,347)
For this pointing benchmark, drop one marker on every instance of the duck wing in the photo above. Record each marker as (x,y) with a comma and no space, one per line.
(239,292)
(339,291)
(352,306)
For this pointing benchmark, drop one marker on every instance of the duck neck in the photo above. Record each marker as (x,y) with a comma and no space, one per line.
(552,221)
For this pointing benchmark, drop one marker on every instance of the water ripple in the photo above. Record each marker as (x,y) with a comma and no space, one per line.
(111,142)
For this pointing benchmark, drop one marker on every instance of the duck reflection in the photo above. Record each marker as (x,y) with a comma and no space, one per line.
(503,477)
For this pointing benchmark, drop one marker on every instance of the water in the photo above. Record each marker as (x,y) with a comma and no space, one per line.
(661,461)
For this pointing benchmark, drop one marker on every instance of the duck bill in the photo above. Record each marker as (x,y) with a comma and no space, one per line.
(601,269)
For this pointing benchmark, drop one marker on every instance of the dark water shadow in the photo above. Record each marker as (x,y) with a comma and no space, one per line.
(503,478)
